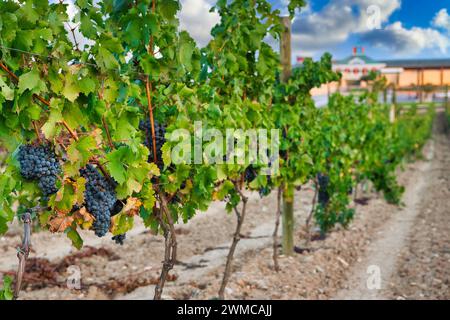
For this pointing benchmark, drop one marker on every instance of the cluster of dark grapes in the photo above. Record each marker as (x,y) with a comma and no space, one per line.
(265,191)
(283,153)
(324,182)
(119,239)
(100,198)
(250,174)
(39,162)
(160,131)
(176,199)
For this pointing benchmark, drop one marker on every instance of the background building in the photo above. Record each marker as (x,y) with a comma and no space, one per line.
(403,74)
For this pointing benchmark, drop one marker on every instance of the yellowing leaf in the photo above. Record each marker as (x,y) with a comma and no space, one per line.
(132,206)
(60,223)
(70,90)
(84,218)
(31,81)
(6,91)
(122,223)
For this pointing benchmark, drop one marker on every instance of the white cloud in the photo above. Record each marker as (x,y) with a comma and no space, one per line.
(314,32)
(442,20)
(401,40)
(197,20)
(334,23)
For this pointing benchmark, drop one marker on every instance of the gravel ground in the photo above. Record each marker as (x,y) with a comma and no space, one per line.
(424,264)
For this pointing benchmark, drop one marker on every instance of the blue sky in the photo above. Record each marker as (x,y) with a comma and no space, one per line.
(409,28)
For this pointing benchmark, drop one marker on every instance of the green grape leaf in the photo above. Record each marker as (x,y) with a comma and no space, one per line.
(106,60)
(187,46)
(31,81)
(122,223)
(166,154)
(79,153)
(70,90)
(6,91)
(3,225)
(86,85)
(49,127)
(169,8)
(75,237)
(66,197)
(148,196)
(115,165)
(87,27)
(6,293)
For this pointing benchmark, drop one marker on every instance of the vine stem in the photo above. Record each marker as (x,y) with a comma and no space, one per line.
(23,253)
(275,232)
(72,133)
(355,196)
(72,31)
(240,215)
(170,243)
(170,251)
(108,134)
(313,207)
(36,129)
(9,72)
(150,47)
(148,91)
(102,169)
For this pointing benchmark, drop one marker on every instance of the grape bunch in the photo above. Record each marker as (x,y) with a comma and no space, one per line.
(119,239)
(250,174)
(160,131)
(324,182)
(100,198)
(265,191)
(283,153)
(39,162)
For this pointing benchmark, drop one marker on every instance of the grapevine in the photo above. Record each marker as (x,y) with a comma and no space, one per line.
(100,199)
(92,128)
(39,162)
(120,238)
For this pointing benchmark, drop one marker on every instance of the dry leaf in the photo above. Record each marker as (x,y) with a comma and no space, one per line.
(60,223)
(132,207)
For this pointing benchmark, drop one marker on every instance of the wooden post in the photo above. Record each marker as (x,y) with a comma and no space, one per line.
(288,221)
(418,84)
(288,198)
(392,113)
(421,84)
(285,49)
(446,97)
(394,95)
